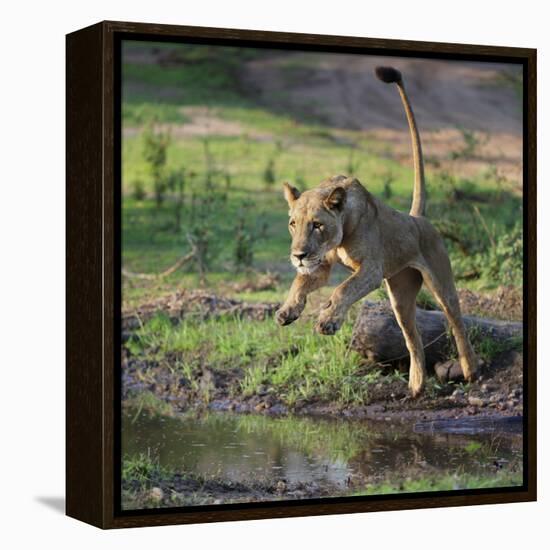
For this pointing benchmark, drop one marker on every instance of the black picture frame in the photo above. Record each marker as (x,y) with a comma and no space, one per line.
(93,166)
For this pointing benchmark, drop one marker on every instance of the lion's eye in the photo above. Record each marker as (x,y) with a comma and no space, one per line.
(317,225)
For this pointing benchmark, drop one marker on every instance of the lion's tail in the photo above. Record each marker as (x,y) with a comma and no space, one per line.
(391,75)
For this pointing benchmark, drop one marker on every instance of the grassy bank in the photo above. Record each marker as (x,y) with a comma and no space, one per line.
(294,367)
(259,365)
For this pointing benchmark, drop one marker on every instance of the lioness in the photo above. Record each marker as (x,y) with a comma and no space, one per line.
(340,221)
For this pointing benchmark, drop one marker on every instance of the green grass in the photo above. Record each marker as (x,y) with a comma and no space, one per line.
(488,348)
(447,482)
(138,113)
(298,364)
(143,468)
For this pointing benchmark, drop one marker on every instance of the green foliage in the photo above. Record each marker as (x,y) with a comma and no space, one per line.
(425,300)
(498,261)
(155,145)
(141,113)
(505,259)
(488,347)
(300,180)
(269,173)
(479,221)
(472,142)
(245,237)
(204,229)
(387,192)
(138,189)
(352,164)
(143,468)
(151,335)
(473,447)
(149,234)
(175,182)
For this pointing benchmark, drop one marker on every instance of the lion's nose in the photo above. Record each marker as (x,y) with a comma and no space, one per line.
(300,255)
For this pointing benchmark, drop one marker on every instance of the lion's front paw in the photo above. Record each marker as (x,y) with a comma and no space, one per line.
(286,315)
(328,324)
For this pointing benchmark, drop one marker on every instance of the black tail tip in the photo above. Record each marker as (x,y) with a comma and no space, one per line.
(388,74)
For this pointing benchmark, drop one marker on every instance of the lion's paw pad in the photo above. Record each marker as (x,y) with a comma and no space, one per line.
(285,317)
(328,328)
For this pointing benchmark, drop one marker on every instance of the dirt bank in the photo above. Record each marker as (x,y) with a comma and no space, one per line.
(342,90)
(497,392)
(186,490)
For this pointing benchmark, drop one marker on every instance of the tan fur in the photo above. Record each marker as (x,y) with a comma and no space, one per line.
(340,221)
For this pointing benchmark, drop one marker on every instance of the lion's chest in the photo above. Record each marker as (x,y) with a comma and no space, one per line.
(346,259)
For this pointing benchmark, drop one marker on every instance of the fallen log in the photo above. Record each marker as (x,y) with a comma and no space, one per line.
(377,336)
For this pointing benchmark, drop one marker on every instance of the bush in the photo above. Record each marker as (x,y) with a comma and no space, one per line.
(138,190)
(245,238)
(269,173)
(504,262)
(155,145)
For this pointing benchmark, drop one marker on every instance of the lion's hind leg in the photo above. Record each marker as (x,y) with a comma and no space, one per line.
(439,279)
(402,290)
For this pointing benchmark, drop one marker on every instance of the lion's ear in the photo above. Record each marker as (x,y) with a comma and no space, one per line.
(336,199)
(291,193)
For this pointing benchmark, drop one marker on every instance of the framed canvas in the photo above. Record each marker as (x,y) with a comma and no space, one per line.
(301,274)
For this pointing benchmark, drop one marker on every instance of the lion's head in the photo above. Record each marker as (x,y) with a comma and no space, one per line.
(315,223)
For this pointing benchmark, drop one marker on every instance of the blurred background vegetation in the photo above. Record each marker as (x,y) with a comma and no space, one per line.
(210,133)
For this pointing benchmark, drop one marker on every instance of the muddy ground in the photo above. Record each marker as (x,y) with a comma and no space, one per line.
(498,391)
(186,490)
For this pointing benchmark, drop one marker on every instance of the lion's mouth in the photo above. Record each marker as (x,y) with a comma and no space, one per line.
(305,268)
(306,264)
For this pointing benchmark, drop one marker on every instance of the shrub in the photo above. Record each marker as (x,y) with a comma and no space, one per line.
(155,146)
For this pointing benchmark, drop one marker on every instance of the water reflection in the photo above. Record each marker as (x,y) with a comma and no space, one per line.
(246,447)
